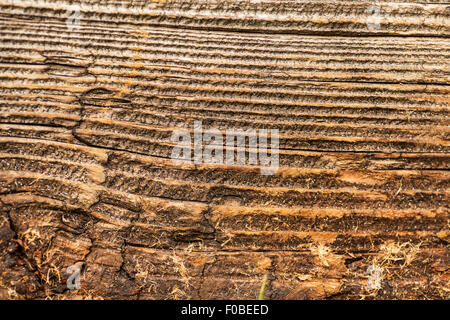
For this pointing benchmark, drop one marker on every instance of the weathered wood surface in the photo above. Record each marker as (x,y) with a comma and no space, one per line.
(86,177)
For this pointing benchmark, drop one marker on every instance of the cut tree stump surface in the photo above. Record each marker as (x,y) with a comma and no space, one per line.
(86,176)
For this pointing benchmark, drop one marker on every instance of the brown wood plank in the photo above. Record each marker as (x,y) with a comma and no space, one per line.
(87,179)
(261,16)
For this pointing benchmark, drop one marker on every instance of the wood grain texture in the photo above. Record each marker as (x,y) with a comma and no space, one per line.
(261,16)
(86,178)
